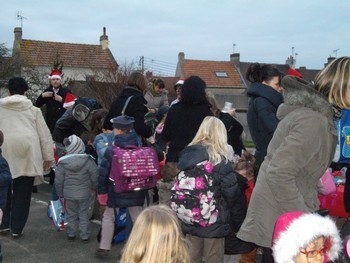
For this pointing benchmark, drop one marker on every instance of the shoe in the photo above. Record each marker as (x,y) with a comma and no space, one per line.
(16,236)
(71,238)
(85,240)
(4,231)
(102,253)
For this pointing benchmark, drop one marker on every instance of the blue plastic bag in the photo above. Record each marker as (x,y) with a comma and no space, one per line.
(56,212)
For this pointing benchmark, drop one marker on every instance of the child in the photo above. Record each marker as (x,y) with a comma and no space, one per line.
(5,182)
(304,237)
(156,237)
(123,128)
(244,173)
(76,178)
(209,145)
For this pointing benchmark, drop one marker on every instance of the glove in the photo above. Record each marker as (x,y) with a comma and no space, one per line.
(102,199)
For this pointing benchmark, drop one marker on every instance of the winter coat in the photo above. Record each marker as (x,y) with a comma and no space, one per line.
(181,125)
(155,101)
(5,181)
(234,132)
(136,108)
(226,187)
(101,143)
(128,199)
(28,140)
(76,176)
(233,245)
(54,109)
(300,151)
(261,116)
(66,126)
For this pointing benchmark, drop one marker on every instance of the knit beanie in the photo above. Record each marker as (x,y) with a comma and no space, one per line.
(296,230)
(74,145)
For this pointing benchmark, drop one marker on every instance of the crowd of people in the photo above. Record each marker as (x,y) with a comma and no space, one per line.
(213,200)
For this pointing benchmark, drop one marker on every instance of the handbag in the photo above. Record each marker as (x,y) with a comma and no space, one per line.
(326,184)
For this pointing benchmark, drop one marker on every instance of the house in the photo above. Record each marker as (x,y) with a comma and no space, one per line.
(227,81)
(81,62)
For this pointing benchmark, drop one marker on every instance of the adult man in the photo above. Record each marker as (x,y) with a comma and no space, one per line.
(28,149)
(53,97)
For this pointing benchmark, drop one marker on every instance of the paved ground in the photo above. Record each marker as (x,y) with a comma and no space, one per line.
(42,243)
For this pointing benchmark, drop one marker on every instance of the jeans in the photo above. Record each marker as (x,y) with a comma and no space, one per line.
(18,204)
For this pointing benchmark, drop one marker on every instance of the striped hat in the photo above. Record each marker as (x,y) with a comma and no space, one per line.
(74,145)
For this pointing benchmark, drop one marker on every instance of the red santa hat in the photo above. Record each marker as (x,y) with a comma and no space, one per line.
(55,74)
(295,230)
(69,100)
(293,72)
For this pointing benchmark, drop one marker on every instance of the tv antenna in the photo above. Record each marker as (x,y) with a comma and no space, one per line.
(20,17)
(336,52)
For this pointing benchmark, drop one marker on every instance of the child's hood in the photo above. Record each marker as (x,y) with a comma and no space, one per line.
(74,162)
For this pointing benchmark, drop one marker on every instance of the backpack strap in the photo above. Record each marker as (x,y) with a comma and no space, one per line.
(126,105)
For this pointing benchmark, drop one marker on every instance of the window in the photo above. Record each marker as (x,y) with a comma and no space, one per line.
(221,74)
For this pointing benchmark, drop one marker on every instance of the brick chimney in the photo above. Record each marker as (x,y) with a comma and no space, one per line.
(235,58)
(16,51)
(104,40)
(329,60)
(179,67)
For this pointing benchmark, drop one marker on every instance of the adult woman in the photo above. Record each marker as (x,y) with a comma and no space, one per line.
(265,97)
(300,151)
(185,117)
(156,95)
(136,107)
(27,147)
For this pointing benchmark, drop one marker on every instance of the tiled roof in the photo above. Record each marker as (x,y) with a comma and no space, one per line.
(206,70)
(43,53)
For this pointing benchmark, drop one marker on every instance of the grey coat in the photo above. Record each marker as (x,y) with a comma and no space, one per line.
(299,153)
(76,176)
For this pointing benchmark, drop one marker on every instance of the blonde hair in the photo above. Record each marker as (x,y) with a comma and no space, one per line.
(212,132)
(214,106)
(334,82)
(156,237)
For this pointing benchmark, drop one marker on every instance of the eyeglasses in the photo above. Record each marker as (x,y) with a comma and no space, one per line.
(314,253)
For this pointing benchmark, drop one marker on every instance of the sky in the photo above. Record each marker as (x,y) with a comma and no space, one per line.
(260,30)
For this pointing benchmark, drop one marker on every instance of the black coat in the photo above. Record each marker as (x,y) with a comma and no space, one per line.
(225,183)
(234,132)
(54,109)
(136,108)
(234,245)
(261,116)
(181,125)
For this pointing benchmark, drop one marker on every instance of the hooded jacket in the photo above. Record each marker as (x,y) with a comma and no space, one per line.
(155,100)
(136,108)
(261,116)
(28,140)
(76,176)
(226,188)
(301,149)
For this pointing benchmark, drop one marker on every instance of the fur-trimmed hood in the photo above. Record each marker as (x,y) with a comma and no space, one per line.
(295,230)
(300,93)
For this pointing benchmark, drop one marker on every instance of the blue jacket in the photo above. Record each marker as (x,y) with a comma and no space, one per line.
(261,116)
(5,181)
(135,198)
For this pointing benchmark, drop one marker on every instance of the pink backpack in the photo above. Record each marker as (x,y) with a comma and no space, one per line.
(133,168)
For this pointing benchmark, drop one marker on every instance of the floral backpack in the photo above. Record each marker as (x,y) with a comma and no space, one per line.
(192,196)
